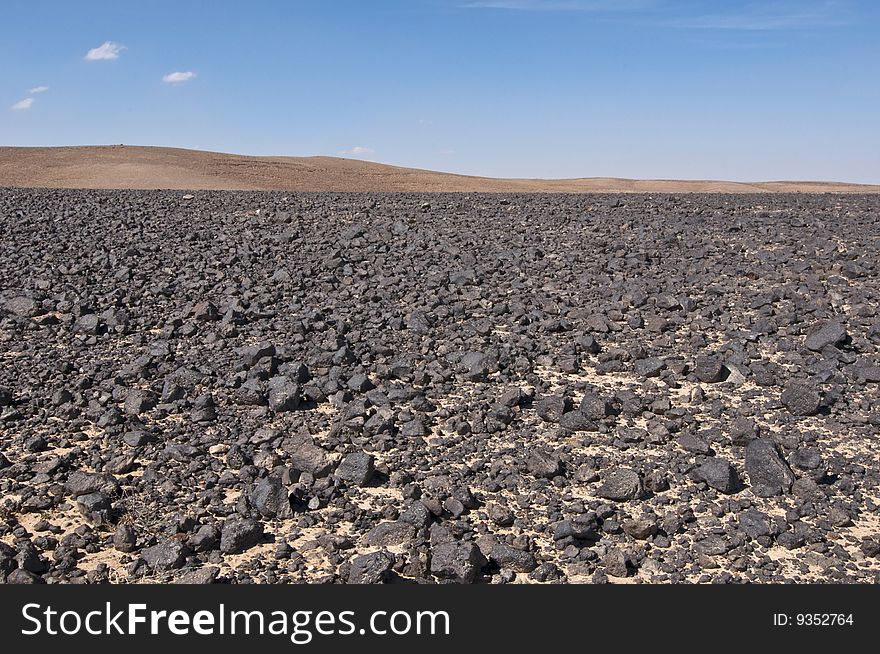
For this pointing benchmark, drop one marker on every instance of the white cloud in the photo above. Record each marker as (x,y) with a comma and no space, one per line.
(358,151)
(178,78)
(23,105)
(107,50)
(38,89)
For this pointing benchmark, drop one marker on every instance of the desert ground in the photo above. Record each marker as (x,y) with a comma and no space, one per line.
(136,167)
(269,387)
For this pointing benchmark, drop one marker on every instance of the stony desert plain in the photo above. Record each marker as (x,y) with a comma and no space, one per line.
(342,372)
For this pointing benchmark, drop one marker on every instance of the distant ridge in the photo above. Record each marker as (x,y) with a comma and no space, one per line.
(144,167)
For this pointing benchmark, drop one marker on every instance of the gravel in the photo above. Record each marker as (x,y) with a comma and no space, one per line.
(362,388)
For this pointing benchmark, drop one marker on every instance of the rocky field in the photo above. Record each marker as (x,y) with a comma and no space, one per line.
(267,388)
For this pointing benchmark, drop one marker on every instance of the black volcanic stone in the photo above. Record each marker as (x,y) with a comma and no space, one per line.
(768,472)
(270,497)
(829,333)
(356,468)
(239,533)
(551,408)
(139,401)
(457,561)
(22,306)
(649,367)
(5,397)
(284,394)
(801,398)
(390,533)
(166,555)
(594,407)
(709,369)
(308,457)
(506,556)
(372,568)
(720,475)
(756,524)
(83,483)
(542,464)
(621,485)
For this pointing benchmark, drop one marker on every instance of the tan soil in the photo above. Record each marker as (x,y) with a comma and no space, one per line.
(139,167)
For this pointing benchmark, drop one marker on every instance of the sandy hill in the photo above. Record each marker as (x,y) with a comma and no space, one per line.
(118,166)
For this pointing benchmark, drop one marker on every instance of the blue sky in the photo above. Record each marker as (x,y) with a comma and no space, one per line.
(525,88)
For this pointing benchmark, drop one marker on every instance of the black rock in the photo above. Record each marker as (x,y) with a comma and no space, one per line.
(743,430)
(239,533)
(807,458)
(204,410)
(60,397)
(252,393)
(356,468)
(284,395)
(87,324)
(576,421)
(551,408)
(20,577)
(197,576)
(182,452)
(594,407)
(830,333)
(7,560)
(542,464)
(801,398)
(139,401)
(416,514)
(870,547)
(95,507)
(720,475)
(124,538)
(360,383)
(477,321)
(83,483)
(501,515)
(650,367)
(166,555)
(584,527)
(768,472)
(756,524)
(22,307)
(694,444)
(28,558)
(308,457)
(459,561)
(621,485)
(616,563)
(372,568)
(137,438)
(505,556)
(205,311)
(413,429)
(710,370)
(270,497)
(641,528)
(387,534)
(251,354)
(205,539)
(713,545)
